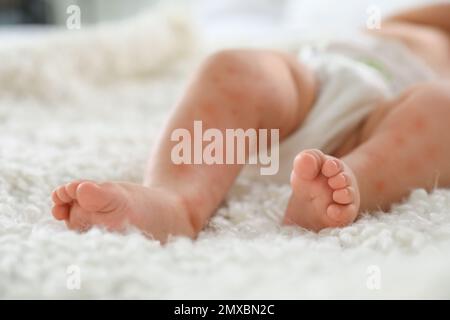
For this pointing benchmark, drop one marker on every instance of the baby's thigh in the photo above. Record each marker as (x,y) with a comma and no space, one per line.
(421,110)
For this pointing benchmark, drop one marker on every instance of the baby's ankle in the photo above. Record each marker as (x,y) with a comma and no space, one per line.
(192,207)
(187,220)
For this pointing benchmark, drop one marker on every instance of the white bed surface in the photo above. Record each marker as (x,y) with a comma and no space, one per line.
(91,107)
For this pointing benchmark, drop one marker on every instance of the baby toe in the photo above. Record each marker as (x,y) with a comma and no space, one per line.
(61,212)
(62,194)
(71,188)
(331,167)
(56,200)
(339,181)
(343,196)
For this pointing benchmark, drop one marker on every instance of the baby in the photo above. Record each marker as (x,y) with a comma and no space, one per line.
(366,122)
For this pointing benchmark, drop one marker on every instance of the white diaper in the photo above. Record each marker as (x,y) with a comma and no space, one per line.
(354,77)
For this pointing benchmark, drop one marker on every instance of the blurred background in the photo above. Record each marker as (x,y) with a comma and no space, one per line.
(222,17)
(55,11)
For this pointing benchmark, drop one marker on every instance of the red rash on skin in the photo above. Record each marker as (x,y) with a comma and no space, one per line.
(419,124)
(216,79)
(380,185)
(231,69)
(209,108)
(399,140)
(236,95)
(234,111)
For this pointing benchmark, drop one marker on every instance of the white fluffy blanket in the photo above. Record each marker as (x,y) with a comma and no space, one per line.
(90,105)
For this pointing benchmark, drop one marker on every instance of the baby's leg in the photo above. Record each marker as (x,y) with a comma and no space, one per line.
(233,89)
(406,148)
(404,145)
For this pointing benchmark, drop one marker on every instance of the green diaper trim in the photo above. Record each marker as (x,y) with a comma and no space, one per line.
(378,66)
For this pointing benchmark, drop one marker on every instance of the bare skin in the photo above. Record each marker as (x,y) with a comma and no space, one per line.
(233,89)
(400,146)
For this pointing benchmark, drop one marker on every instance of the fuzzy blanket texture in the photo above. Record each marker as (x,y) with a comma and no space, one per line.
(90,104)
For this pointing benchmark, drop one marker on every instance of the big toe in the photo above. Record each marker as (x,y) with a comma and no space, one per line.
(94,197)
(307,164)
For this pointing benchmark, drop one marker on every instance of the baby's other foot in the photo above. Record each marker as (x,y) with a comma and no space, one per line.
(325,192)
(116,205)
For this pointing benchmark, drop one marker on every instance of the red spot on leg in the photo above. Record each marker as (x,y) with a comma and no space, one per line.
(209,109)
(399,140)
(419,124)
(237,96)
(235,111)
(232,69)
(380,185)
(216,79)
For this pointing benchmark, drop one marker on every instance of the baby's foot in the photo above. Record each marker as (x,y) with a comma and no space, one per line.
(116,205)
(325,192)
